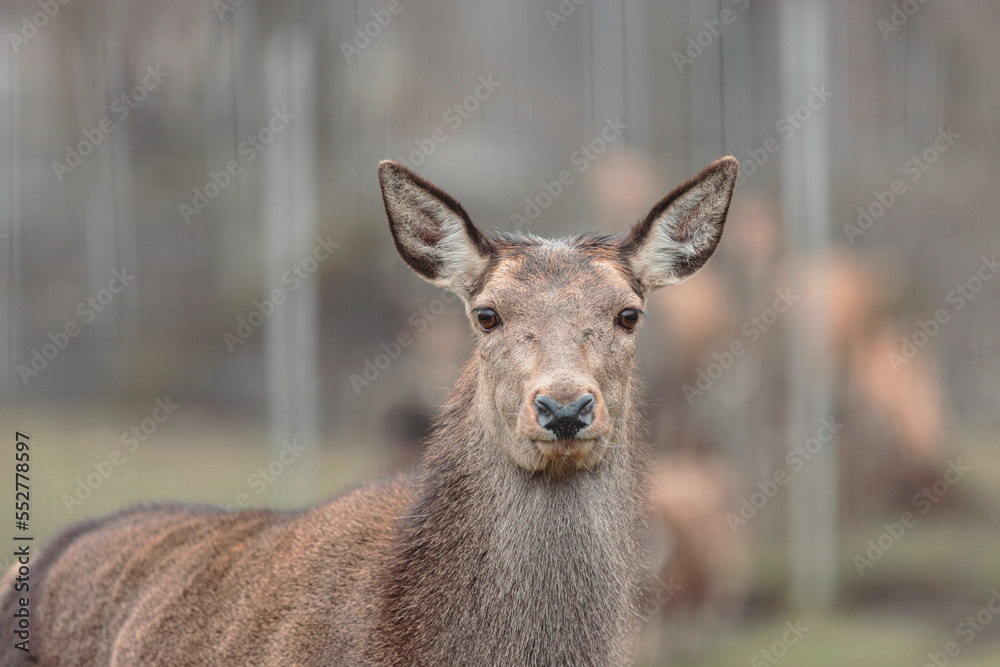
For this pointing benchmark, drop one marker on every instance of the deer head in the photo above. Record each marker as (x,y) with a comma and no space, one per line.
(555,321)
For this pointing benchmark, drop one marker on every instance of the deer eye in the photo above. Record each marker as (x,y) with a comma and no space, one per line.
(488,319)
(628,319)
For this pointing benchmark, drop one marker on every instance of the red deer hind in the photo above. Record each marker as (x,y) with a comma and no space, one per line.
(518,541)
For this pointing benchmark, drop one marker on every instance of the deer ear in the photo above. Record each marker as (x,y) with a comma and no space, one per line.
(681,232)
(432,232)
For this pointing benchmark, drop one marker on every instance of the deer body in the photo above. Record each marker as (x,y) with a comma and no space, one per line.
(518,541)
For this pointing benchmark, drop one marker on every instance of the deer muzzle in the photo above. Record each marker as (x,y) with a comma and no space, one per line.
(564,421)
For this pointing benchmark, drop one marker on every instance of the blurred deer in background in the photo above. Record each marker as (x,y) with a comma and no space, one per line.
(712,447)
(518,541)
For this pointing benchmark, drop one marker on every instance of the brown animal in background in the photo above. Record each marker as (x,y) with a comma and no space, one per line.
(691,496)
(700,585)
(518,541)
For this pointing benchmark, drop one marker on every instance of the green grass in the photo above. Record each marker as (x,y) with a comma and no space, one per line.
(192,457)
(842,640)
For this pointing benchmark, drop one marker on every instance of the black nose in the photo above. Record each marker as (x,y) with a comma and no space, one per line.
(564,421)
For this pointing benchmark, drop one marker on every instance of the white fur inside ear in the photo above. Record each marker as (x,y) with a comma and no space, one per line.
(656,264)
(462,265)
(685,234)
(430,228)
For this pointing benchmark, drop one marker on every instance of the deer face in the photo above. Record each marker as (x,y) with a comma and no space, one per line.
(556,321)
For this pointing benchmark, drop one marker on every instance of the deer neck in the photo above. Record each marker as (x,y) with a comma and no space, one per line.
(519,565)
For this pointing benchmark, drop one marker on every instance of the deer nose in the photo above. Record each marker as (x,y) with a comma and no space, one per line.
(564,420)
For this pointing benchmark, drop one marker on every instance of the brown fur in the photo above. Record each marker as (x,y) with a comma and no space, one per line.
(506,547)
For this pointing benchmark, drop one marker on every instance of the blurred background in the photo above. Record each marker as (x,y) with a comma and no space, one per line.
(201,300)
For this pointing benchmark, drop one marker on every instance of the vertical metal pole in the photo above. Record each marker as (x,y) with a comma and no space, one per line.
(291,334)
(706,90)
(805,195)
(10,232)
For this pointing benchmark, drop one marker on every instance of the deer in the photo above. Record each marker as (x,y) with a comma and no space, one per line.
(519,539)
